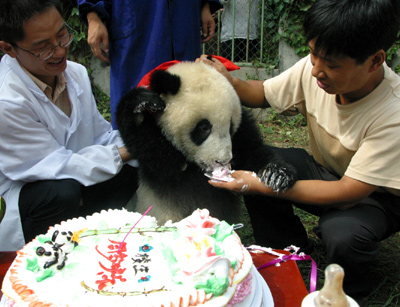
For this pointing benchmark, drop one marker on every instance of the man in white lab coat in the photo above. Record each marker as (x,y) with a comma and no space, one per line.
(59,158)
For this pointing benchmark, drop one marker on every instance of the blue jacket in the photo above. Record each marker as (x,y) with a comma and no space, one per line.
(143,34)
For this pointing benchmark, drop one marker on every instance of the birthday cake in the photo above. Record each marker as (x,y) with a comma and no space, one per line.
(101,260)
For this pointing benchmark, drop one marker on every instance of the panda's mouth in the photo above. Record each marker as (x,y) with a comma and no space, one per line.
(220,173)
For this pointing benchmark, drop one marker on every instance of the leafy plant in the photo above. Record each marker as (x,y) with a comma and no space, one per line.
(79,50)
(284,131)
(103,102)
(284,20)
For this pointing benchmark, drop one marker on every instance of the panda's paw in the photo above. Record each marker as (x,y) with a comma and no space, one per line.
(277,177)
(148,101)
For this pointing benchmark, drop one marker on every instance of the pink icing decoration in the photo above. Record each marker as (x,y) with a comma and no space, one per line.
(199,260)
(10,303)
(243,289)
(202,219)
(202,256)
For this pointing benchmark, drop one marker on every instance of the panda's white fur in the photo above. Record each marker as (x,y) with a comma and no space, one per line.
(188,123)
(204,94)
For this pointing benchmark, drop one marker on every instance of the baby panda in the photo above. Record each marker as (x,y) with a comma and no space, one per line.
(187,124)
(50,254)
(63,239)
(54,252)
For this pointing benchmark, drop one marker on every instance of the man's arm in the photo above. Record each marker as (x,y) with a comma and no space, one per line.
(207,23)
(95,14)
(251,93)
(98,37)
(341,194)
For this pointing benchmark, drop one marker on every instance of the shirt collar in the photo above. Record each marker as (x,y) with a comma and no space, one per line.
(46,89)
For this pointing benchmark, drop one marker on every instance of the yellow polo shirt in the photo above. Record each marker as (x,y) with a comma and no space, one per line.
(360,140)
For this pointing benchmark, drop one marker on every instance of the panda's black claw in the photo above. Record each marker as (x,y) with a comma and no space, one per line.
(280,181)
(146,100)
(140,107)
(277,177)
(272,180)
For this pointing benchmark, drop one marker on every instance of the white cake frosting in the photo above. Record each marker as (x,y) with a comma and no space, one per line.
(221,173)
(198,261)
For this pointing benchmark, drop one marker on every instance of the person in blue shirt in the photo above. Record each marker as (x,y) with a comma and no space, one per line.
(135,36)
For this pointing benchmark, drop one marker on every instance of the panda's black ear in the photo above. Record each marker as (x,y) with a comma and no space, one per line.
(162,82)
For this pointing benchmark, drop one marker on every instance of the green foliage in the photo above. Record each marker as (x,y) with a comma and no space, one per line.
(80,36)
(2,208)
(393,52)
(291,24)
(103,103)
(284,131)
(284,20)
(79,50)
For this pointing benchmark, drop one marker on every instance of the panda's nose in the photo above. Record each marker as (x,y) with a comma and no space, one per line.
(222,163)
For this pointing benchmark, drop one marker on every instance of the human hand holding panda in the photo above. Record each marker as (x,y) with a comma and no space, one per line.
(187,124)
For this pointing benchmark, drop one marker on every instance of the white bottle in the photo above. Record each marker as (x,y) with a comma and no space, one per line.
(332,293)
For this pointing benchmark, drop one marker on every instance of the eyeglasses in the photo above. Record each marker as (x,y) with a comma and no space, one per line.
(48,52)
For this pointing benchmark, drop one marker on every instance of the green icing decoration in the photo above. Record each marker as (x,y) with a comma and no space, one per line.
(215,285)
(72,266)
(43,239)
(234,263)
(32,265)
(217,248)
(71,269)
(46,273)
(223,230)
(221,252)
(102,225)
(170,258)
(81,249)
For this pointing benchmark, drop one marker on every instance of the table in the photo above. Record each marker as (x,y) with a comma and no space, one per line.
(285,282)
(6,258)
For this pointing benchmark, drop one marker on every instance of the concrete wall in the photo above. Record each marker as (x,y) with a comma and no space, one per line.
(100,75)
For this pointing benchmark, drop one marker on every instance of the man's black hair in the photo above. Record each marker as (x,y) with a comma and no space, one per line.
(354,28)
(14,14)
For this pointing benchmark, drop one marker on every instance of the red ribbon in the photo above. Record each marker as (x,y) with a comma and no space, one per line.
(284,258)
(145,82)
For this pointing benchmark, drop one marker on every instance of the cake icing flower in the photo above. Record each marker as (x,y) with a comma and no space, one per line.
(201,219)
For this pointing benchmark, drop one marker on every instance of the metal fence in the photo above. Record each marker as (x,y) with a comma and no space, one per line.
(244,34)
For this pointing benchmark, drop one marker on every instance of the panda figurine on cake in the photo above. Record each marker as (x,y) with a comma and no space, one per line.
(188,123)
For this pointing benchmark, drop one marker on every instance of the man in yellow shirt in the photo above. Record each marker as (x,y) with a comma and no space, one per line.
(351,100)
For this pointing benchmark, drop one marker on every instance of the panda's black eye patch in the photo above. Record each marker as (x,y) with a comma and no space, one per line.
(201,132)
